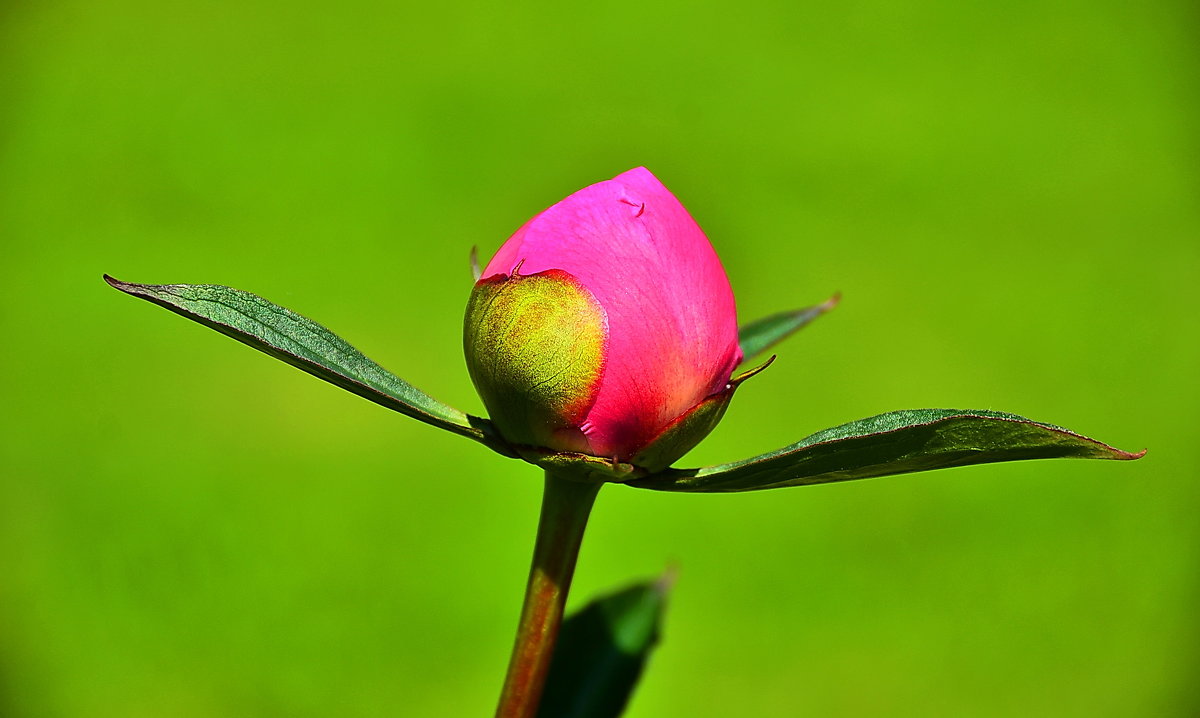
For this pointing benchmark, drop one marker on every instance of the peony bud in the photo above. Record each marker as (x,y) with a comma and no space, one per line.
(605,327)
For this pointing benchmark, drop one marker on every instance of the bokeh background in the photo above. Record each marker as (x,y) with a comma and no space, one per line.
(1006,194)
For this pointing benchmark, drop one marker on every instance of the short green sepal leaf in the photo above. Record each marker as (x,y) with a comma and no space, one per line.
(898,442)
(762,334)
(601,652)
(306,345)
(682,435)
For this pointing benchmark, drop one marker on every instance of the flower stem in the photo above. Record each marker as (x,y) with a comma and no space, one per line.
(565,507)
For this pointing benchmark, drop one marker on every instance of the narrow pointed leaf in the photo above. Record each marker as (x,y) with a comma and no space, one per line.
(899,442)
(306,345)
(601,652)
(762,334)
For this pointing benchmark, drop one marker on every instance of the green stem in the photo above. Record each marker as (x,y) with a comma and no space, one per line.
(565,508)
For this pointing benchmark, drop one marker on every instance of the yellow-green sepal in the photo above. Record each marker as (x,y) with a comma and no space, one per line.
(534,346)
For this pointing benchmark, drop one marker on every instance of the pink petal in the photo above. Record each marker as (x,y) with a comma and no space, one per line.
(671,315)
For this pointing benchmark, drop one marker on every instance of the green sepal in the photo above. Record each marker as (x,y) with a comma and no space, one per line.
(761,334)
(682,435)
(578,466)
(534,346)
(308,346)
(602,651)
(895,443)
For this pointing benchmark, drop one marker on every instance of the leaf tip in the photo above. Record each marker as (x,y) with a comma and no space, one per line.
(131,288)
(117,284)
(1120,455)
(830,303)
(667,580)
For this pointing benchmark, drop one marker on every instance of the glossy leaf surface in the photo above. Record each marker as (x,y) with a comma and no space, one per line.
(762,334)
(601,652)
(304,344)
(898,442)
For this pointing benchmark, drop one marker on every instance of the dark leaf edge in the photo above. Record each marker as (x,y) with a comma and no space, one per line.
(738,476)
(603,649)
(436,414)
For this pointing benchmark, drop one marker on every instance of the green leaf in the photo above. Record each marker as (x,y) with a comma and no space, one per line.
(899,442)
(762,334)
(601,652)
(309,346)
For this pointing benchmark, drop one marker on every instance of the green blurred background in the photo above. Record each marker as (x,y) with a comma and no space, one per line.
(1007,195)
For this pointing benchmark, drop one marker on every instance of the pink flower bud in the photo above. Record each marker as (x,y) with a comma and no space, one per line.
(605,326)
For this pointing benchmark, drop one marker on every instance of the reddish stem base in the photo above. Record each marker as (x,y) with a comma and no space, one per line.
(566,505)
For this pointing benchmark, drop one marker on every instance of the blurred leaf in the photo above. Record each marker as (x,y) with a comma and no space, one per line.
(762,334)
(309,346)
(601,652)
(899,442)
